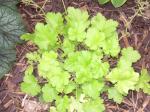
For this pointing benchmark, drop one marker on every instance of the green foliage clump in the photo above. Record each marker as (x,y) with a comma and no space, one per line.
(71,60)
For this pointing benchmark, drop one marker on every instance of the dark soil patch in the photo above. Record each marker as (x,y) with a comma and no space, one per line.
(138,37)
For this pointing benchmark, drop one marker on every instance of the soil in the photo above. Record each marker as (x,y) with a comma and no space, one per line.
(134,30)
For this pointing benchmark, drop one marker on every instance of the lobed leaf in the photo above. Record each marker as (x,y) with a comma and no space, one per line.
(49,93)
(30,83)
(143,82)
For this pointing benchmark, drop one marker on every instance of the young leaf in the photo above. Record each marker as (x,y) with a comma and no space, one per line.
(93,88)
(115,95)
(110,28)
(70,87)
(94,106)
(49,93)
(30,84)
(68,46)
(45,37)
(124,80)
(60,80)
(62,104)
(143,82)
(94,38)
(98,22)
(83,76)
(77,22)
(55,21)
(131,55)
(48,65)
(75,105)
(34,56)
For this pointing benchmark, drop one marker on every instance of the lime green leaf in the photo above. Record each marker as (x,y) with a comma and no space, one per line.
(128,57)
(75,105)
(62,104)
(55,21)
(76,34)
(78,15)
(143,82)
(71,61)
(98,22)
(31,88)
(115,95)
(124,64)
(99,69)
(131,55)
(77,22)
(93,88)
(60,80)
(49,93)
(110,27)
(94,106)
(29,78)
(34,56)
(94,38)
(70,87)
(111,45)
(45,37)
(83,76)
(68,46)
(27,36)
(53,109)
(48,65)
(124,80)
(30,84)
(118,3)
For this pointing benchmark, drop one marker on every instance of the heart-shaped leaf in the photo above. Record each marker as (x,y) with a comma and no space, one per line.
(118,3)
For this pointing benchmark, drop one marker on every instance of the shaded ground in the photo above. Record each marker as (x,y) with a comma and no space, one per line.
(134,30)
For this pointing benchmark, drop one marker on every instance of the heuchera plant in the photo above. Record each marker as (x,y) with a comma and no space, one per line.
(71,60)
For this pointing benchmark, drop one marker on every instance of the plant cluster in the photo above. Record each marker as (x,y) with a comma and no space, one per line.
(71,61)
(116,3)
